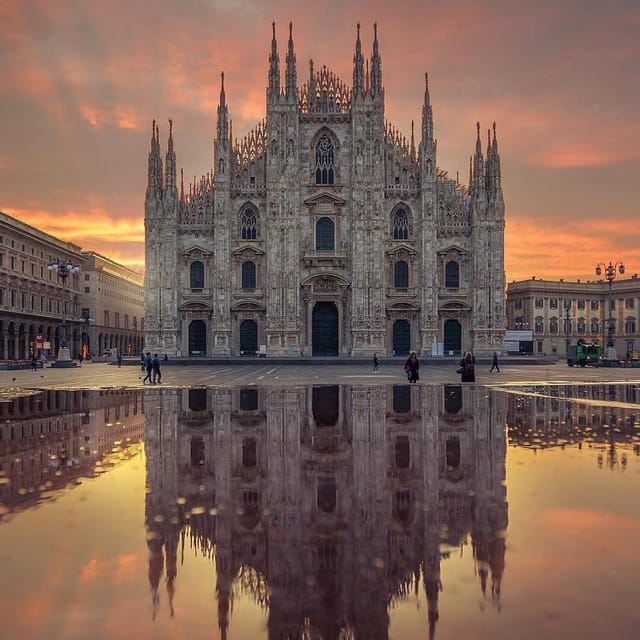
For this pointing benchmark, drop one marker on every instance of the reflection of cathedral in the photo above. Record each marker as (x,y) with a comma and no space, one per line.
(51,437)
(324,231)
(327,503)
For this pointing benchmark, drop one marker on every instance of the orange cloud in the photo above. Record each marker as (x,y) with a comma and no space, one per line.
(122,569)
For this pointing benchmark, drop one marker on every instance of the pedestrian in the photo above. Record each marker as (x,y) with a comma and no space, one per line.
(375,363)
(467,369)
(412,368)
(34,362)
(494,363)
(119,359)
(148,367)
(155,365)
(143,362)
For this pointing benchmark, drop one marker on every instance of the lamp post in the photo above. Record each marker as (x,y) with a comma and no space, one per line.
(567,325)
(610,271)
(63,269)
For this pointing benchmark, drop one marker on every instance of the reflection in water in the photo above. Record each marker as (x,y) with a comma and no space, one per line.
(326,504)
(335,509)
(604,416)
(51,439)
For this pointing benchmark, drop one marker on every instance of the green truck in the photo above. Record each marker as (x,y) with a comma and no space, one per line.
(584,353)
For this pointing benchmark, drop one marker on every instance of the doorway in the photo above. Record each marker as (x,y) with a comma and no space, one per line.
(197,338)
(325,329)
(401,337)
(452,338)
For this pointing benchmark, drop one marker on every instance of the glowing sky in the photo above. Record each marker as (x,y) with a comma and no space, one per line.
(83,79)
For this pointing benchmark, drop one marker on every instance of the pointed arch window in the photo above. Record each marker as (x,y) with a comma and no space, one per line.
(401,275)
(452,275)
(249,224)
(249,275)
(325,170)
(196,276)
(325,236)
(400,225)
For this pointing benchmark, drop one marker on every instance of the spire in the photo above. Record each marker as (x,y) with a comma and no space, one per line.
(312,85)
(413,140)
(358,69)
(223,114)
(427,113)
(154,176)
(181,185)
(291,79)
(496,158)
(170,163)
(274,69)
(376,66)
(478,166)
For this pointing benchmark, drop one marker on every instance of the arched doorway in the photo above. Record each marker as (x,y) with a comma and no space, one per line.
(452,337)
(325,329)
(197,338)
(248,338)
(401,337)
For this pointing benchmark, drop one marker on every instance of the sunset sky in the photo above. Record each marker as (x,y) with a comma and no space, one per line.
(82,81)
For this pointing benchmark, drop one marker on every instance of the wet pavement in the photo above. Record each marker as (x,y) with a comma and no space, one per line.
(288,502)
(270,372)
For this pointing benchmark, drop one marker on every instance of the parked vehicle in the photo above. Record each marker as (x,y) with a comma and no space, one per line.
(583,353)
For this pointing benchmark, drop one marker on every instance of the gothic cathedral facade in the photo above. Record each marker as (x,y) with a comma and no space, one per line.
(324,232)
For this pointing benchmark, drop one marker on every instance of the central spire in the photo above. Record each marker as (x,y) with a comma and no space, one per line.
(291,91)
(274,68)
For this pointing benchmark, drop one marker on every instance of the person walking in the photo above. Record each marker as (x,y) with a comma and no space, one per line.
(143,362)
(149,368)
(494,363)
(467,368)
(155,365)
(412,368)
(119,358)
(34,362)
(375,363)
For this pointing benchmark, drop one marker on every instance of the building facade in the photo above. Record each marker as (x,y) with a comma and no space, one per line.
(324,231)
(561,312)
(112,306)
(34,299)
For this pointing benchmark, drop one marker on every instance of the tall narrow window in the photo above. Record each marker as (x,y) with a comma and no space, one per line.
(197,275)
(249,275)
(452,275)
(325,173)
(325,240)
(249,224)
(400,225)
(401,275)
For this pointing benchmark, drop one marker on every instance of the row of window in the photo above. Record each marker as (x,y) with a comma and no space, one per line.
(629,303)
(400,275)
(561,325)
(325,228)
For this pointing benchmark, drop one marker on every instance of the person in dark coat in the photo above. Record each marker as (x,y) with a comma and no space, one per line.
(494,363)
(467,368)
(149,368)
(156,376)
(412,368)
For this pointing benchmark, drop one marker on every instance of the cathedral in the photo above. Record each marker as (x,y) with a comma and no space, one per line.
(324,231)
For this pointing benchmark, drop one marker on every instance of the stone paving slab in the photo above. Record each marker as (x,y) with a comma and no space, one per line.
(269,373)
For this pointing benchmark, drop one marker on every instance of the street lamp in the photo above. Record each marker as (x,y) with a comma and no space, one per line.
(567,324)
(610,271)
(63,269)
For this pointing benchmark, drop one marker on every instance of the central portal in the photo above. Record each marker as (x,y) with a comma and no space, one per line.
(325,329)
